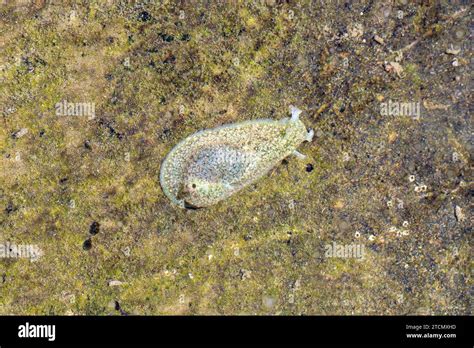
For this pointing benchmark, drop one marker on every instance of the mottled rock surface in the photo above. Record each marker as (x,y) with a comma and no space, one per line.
(134,79)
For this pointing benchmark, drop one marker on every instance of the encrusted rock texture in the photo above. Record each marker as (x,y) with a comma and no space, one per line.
(375,220)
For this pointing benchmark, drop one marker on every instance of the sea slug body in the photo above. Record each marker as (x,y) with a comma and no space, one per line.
(213,164)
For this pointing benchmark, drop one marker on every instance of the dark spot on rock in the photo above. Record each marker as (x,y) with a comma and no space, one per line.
(144,16)
(170,60)
(94,228)
(309,167)
(166,37)
(87,245)
(112,131)
(10,208)
(15,135)
(152,50)
(190,206)
(165,134)
(374,247)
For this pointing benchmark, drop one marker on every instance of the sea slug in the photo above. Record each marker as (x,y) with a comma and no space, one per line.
(210,165)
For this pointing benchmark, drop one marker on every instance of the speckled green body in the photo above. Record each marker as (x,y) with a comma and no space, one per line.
(213,164)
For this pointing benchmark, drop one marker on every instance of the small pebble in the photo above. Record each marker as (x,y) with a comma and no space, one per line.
(126,251)
(459,214)
(115,283)
(20,133)
(379,40)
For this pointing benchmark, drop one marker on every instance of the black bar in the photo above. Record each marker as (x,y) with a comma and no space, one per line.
(250,330)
